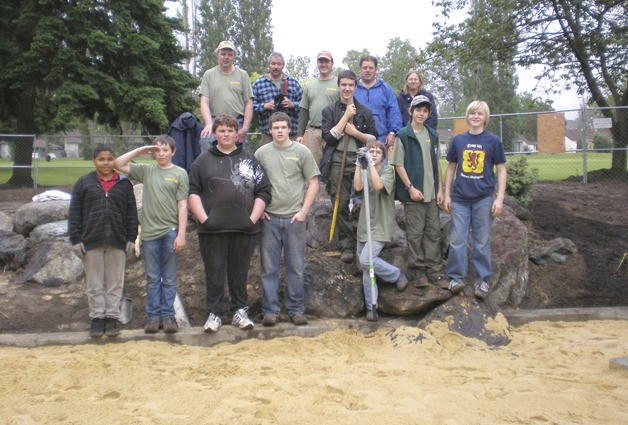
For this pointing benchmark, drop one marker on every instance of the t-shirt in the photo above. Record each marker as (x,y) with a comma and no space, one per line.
(475,155)
(317,95)
(382,206)
(398,158)
(226,92)
(288,169)
(163,188)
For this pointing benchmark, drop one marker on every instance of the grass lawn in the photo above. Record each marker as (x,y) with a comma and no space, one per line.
(65,171)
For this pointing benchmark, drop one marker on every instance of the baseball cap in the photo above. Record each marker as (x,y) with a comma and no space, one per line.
(225,44)
(417,100)
(325,54)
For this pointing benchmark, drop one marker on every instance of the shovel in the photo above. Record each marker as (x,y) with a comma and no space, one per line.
(369,245)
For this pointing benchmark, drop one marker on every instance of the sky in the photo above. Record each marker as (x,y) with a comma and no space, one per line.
(303,29)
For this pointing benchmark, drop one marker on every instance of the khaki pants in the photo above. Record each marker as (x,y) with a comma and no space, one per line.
(315,143)
(423,235)
(104,273)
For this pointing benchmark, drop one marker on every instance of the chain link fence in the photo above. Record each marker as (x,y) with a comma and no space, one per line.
(579,145)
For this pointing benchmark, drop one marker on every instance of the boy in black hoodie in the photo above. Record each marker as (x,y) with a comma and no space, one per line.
(102,226)
(229,191)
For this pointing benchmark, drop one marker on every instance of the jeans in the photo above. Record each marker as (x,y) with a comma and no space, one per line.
(104,273)
(478,218)
(385,271)
(344,227)
(277,234)
(423,235)
(226,255)
(160,262)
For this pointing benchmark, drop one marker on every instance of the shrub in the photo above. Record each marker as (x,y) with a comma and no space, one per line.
(602,141)
(521,179)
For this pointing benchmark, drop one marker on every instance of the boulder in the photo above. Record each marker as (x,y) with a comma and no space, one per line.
(466,316)
(52,264)
(555,250)
(57,231)
(6,222)
(31,215)
(12,250)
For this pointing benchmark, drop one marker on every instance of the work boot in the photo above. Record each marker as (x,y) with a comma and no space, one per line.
(111,327)
(402,282)
(269,320)
(420,279)
(347,257)
(299,319)
(170,325)
(438,279)
(97,328)
(152,327)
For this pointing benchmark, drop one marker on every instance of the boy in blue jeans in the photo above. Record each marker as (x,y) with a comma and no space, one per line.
(471,158)
(164,221)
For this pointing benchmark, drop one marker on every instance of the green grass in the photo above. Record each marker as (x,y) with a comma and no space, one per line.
(65,171)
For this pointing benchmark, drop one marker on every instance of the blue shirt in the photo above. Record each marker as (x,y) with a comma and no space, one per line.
(265,90)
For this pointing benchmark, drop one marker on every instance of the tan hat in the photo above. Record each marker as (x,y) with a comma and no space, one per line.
(325,54)
(226,44)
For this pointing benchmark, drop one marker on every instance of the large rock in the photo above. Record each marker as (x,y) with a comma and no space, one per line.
(52,264)
(33,214)
(57,231)
(12,250)
(6,221)
(466,316)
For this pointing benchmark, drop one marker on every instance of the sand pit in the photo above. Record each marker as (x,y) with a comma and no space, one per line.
(552,372)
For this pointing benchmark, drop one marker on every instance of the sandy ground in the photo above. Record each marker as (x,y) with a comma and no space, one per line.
(551,373)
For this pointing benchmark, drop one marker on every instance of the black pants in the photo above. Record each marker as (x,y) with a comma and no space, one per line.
(226,255)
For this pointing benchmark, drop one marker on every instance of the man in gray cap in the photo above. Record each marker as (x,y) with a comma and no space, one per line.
(226,89)
(419,187)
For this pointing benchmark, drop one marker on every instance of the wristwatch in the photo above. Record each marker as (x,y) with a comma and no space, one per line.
(409,186)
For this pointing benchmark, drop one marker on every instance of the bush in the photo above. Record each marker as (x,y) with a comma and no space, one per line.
(521,179)
(602,141)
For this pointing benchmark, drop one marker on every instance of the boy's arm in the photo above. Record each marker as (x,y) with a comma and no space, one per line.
(415,194)
(440,197)
(122,162)
(310,196)
(258,209)
(196,206)
(179,242)
(449,178)
(498,203)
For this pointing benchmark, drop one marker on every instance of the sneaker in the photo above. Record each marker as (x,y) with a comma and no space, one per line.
(241,319)
(455,286)
(269,320)
(347,257)
(402,282)
(420,279)
(152,326)
(481,290)
(170,325)
(97,328)
(299,319)
(213,323)
(371,316)
(111,327)
(438,279)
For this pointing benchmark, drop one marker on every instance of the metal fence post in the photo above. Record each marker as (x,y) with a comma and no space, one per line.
(584,143)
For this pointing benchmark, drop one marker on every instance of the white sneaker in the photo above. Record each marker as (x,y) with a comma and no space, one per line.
(481,290)
(456,286)
(213,323)
(241,319)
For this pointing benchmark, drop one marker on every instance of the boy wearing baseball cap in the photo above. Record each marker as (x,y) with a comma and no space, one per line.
(419,188)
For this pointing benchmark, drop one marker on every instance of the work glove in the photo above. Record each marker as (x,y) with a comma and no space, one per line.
(130,247)
(79,250)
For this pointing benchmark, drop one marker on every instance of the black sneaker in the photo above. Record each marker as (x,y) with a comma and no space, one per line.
(97,328)
(111,327)
(170,325)
(371,316)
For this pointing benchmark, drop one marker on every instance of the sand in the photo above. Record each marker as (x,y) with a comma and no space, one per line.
(551,373)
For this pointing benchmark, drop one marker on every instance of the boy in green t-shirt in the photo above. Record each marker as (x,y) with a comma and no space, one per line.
(381,185)
(164,221)
(290,166)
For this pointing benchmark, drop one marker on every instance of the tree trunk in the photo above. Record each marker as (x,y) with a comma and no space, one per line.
(23,159)
(620,136)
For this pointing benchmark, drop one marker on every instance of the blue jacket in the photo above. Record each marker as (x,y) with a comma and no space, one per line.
(382,102)
(186,132)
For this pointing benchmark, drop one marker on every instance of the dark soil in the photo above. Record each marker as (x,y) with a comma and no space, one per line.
(593,216)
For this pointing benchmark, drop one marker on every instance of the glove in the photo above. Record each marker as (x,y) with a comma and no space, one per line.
(369,159)
(362,152)
(79,250)
(130,247)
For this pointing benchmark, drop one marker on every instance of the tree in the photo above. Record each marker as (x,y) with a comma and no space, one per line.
(245,22)
(352,60)
(400,58)
(580,43)
(61,61)
(299,68)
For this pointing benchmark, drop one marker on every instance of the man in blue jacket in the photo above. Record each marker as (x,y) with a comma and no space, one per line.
(377,95)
